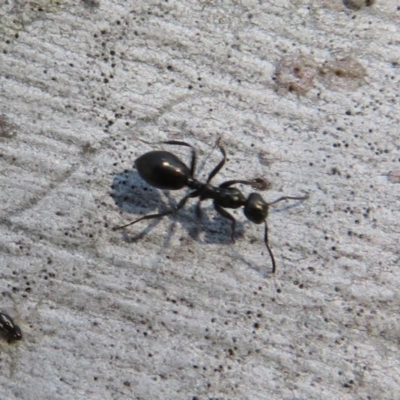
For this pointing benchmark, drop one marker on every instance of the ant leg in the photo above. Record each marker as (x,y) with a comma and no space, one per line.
(257,183)
(199,214)
(194,155)
(269,249)
(220,164)
(179,143)
(288,198)
(225,214)
(160,215)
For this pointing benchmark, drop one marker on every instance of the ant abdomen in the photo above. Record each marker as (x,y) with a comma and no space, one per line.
(163,170)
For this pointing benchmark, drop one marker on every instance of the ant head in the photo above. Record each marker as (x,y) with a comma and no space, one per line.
(256,209)
(17,333)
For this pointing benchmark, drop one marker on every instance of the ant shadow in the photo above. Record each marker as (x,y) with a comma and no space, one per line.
(133,196)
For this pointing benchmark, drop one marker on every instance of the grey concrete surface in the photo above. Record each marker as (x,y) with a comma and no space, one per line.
(304,94)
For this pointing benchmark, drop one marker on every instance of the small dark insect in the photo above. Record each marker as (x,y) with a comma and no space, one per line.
(358,4)
(166,171)
(7,326)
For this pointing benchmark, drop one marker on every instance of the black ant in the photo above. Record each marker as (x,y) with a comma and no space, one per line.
(166,171)
(7,326)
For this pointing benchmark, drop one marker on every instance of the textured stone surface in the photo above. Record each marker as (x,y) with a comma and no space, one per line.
(170,309)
